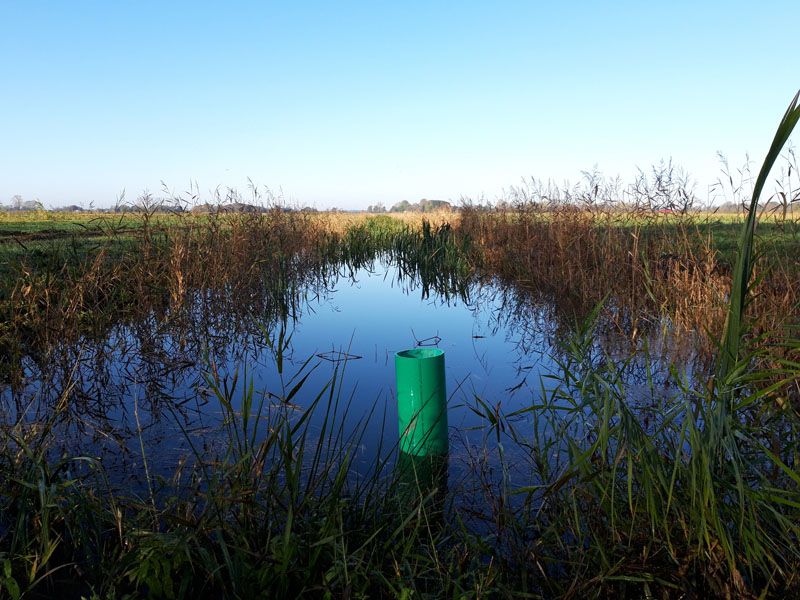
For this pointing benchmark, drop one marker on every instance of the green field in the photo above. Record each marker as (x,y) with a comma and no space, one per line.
(778,240)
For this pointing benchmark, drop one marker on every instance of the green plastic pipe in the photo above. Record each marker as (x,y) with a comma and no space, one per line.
(420,475)
(421,401)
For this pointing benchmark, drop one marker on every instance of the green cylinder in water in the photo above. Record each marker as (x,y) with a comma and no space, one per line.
(421,401)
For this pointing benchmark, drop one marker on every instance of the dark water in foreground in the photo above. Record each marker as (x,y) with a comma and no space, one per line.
(144,389)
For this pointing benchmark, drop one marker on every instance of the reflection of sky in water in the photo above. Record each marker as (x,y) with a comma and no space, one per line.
(373,318)
(150,376)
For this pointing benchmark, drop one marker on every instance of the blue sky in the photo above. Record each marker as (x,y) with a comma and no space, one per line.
(347,104)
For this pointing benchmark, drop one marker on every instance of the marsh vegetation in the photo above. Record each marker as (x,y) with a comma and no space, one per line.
(645,446)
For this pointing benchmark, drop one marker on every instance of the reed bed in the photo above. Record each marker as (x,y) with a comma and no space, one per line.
(646,267)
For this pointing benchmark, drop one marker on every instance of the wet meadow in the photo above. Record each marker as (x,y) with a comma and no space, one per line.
(203,404)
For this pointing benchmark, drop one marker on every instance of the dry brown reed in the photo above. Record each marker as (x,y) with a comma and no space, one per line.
(645,268)
(153,267)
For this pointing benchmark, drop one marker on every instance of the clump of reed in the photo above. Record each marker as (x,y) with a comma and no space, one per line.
(643,247)
(697,495)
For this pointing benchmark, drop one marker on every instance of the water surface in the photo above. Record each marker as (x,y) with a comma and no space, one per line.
(145,388)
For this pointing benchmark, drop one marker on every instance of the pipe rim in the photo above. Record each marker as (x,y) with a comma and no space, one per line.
(420,353)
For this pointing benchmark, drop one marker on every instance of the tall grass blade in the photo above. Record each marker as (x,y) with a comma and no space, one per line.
(743,271)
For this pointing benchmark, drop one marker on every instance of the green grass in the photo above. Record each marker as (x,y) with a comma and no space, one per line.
(778,243)
(55,224)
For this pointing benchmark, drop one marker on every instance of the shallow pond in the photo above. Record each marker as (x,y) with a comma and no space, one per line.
(145,388)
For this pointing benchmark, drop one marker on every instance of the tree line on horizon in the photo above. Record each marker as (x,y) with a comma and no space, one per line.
(423,205)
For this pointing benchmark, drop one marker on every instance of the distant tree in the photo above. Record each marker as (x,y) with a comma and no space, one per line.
(16,202)
(32,205)
(429,205)
(401,206)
